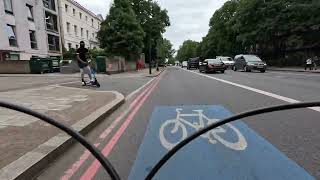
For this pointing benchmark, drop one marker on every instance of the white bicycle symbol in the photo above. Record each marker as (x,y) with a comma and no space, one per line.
(212,136)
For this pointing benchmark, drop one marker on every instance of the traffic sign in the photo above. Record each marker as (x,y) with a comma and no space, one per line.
(233,151)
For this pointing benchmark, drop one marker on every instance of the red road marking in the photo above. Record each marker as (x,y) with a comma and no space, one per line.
(69,173)
(92,170)
(86,154)
(105,133)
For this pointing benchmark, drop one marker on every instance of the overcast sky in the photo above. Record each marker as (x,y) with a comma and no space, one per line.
(189,18)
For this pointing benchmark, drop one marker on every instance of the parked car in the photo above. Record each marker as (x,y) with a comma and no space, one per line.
(228,61)
(212,65)
(193,63)
(248,63)
(184,64)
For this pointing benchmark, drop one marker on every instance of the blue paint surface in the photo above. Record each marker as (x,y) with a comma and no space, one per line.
(203,160)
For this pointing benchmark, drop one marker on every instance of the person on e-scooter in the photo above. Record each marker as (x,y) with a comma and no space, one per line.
(82,60)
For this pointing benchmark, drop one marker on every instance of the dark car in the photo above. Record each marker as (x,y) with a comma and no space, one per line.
(212,65)
(193,63)
(248,63)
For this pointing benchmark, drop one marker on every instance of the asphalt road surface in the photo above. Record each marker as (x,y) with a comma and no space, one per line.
(290,137)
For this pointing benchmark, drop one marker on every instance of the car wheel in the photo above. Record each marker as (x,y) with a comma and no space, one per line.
(263,71)
(246,69)
(234,68)
(222,71)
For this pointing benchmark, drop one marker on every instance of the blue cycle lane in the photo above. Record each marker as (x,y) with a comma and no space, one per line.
(233,151)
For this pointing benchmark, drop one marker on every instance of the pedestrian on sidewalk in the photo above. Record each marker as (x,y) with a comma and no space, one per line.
(140,64)
(315,62)
(137,65)
(81,56)
(308,64)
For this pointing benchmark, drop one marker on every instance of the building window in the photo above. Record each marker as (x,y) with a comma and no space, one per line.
(8,6)
(74,12)
(93,35)
(77,46)
(33,39)
(80,15)
(68,27)
(11,31)
(49,4)
(75,30)
(51,22)
(53,43)
(10,56)
(66,7)
(69,46)
(86,18)
(81,31)
(92,22)
(87,34)
(30,12)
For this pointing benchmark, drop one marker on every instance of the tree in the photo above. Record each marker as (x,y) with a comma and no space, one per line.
(70,54)
(221,38)
(97,52)
(153,21)
(276,30)
(164,50)
(187,50)
(121,33)
(171,60)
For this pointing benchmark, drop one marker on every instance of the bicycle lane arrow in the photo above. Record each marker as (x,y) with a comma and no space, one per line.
(231,152)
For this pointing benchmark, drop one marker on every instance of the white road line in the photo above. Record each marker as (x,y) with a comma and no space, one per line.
(137,90)
(286,99)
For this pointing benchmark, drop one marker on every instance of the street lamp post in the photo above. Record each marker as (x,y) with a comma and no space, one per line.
(158,56)
(150,55)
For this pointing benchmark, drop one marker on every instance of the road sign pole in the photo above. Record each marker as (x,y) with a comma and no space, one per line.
(150,55)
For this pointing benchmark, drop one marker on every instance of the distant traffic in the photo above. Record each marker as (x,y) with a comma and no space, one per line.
(242,62)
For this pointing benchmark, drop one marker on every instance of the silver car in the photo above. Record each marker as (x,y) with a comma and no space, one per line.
(228,61)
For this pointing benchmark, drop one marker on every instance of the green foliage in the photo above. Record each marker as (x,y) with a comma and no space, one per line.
(171,60)
(164,50)
(97,52)
(69,55)
(189,49)
(273,29)
(121,33)
(153,21)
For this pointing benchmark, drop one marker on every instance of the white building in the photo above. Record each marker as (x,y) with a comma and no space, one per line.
(78,24)
(29,28)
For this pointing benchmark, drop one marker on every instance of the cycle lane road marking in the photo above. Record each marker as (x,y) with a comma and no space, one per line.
(276,96)
(208,158)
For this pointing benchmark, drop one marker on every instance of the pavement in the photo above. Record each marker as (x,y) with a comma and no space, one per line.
(24,151)
(16,82)
(293,69)
(281,145)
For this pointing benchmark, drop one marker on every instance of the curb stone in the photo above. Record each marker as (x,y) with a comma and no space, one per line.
(34,161)
(292,70)
(156,74)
